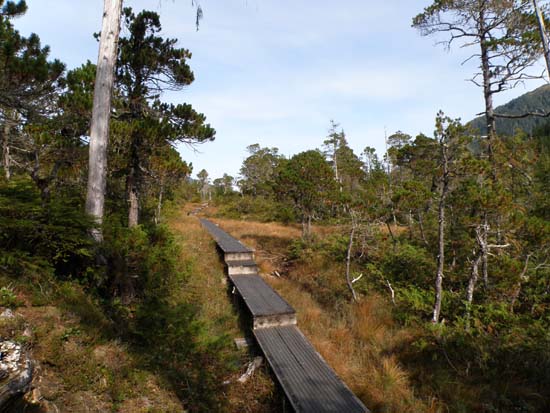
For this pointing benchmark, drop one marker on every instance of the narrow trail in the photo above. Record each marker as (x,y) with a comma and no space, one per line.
(309,383)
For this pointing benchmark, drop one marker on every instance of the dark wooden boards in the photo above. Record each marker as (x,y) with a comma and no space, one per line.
(309,383)
(260,298)
(226,242)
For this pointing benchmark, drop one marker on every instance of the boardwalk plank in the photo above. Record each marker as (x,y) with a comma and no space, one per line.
(226,242)
(310,384)
(259,297)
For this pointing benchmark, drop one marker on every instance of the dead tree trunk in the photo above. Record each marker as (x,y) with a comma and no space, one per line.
(133,200)
(411,222)
(444,189)
(348,255)
(421,227)
(543,36)
(6,160)
(159,203)
(480,258)
(99,129)
(474,274)
(522,278)
(485,252)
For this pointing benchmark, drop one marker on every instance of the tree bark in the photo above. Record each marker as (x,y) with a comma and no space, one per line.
(159,204)
(522,278)
(421,227)
(306,226)
(133,200)
(441,233)
(348,257)
(474,275)
(6,161)
(485,252)
(411,222)
(99,129)
(487,92)
(543,36)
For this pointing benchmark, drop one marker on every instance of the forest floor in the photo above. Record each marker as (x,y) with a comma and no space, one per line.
(79,367)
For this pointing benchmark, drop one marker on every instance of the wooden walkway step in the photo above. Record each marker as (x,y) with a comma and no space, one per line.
(242,267)
(266,306)
(227,243)
(309,383)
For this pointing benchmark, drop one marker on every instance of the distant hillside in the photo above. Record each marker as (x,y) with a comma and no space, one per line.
(536,101)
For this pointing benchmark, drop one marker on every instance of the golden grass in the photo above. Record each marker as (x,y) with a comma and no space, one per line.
(359,341)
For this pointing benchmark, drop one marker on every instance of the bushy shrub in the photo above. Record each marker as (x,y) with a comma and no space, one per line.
(56,232)
(167,332)
(256,208)
(409,264)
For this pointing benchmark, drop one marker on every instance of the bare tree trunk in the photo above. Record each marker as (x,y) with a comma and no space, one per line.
(543,36)
(133,201)
(411,222)
(306,226)
(348,255)
(6,161)
(441,233)
(336,175)
(421,226)
(159,204)
(484,252)
(474,275)
(99,129)
(522,278)
(487,92)
(394,241)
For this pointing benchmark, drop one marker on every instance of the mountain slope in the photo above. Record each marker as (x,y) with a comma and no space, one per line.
(537,100)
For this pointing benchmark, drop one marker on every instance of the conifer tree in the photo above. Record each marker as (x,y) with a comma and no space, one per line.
(28,81)
(148,65)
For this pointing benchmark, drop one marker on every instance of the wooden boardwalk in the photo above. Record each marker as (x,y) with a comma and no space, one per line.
(310,385)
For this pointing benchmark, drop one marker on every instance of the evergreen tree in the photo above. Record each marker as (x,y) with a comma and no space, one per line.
(258,169)
(307,181)
(148,65)
(28,83)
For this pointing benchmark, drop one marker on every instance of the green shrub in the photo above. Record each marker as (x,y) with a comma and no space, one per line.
(409,264)
(56,233)
(256,208)
(8,298)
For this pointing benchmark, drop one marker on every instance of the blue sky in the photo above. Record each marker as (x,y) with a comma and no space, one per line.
(275,72)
